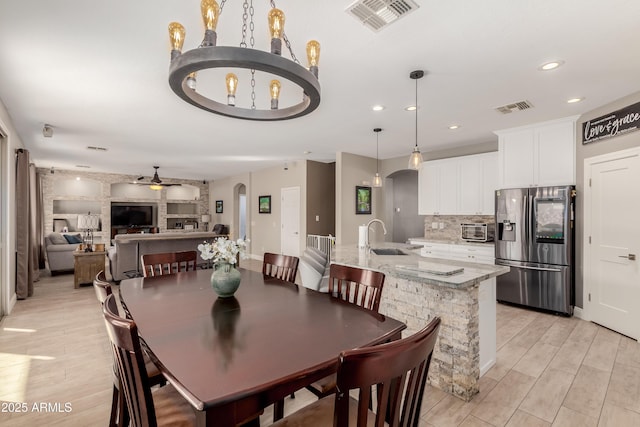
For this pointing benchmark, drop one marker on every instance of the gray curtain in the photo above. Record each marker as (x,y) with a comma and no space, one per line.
(38,204)
(26,259)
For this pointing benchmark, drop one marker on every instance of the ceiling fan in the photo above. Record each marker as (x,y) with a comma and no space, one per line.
(156,182)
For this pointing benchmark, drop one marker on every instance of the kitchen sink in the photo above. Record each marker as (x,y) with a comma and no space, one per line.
(387,251)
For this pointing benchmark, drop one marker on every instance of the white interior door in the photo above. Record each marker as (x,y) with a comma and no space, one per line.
(612,272)
(290,221)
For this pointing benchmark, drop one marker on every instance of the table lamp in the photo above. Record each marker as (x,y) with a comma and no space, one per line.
(88,223)
(206,219)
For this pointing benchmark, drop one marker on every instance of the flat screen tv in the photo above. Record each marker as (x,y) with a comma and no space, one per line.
(132,215)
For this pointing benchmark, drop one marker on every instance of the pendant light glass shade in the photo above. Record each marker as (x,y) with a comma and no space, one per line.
(415,160)
(377,180)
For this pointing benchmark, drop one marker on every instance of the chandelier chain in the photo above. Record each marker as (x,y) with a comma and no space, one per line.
(245,16)
(222,5)
(251,25)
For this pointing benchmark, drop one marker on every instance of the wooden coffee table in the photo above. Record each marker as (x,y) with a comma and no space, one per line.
(86,265)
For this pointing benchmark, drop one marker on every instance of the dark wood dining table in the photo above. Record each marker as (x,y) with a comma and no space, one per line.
(232,357)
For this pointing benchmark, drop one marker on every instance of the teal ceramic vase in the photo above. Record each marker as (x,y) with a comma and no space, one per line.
(225,279)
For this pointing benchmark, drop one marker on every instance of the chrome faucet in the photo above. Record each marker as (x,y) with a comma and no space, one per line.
(384,229)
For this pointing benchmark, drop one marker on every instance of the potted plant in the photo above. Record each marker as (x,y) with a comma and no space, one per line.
(224,253)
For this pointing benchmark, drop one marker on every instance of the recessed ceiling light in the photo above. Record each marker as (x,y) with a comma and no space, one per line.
(574,100)
(411,108)
(454,127)
(307,152)
(548,66)
(377,107)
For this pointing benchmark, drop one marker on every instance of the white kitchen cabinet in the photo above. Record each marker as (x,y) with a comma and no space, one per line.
(437,187)
(537,155)
(459,185)
(478,180)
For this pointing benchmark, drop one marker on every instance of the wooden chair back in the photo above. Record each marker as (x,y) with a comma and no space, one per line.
(127,352)
(356,285)
(283,267)
(101,286)
(168,263)
(399,371)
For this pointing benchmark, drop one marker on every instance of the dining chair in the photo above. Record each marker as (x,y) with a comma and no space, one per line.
(283,267)
(119,414)
(163,406)
(168,263)
(399,371)
(357,286)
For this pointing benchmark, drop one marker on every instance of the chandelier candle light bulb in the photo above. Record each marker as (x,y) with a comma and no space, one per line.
(232,85)
(276,28)
(274,88)
(210,13)
(176,36)
(313,56)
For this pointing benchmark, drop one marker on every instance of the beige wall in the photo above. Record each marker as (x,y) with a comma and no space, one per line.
(10,143)
(263,230)
(352,170)
(583,152)
(321,203)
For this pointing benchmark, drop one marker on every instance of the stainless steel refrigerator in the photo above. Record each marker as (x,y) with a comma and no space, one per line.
(535,237)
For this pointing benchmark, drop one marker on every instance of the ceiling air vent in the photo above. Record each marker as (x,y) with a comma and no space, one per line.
(90,147)
(516,106)
(377,14)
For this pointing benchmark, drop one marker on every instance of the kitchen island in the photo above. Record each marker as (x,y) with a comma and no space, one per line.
(461,293)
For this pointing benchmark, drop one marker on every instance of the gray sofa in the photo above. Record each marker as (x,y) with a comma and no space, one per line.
(60,252)
(124,255)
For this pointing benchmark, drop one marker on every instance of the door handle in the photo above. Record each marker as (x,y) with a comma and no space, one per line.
(630,257)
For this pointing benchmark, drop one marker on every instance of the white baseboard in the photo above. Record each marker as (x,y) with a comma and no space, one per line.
(577,312)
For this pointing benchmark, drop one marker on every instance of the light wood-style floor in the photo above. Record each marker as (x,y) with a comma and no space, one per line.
(551,370)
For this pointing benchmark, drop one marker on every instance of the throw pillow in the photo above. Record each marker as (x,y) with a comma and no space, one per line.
(57,239)
(73,238)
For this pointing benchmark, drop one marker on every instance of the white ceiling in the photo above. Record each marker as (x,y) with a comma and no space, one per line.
(97,71)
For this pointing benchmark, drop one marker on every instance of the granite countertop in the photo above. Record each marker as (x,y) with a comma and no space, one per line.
(415,267)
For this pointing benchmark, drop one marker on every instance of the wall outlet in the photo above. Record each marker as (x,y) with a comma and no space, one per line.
(434,225)
(441,225)
(317,218)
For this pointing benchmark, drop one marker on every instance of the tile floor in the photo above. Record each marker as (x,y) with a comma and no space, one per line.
(551,370)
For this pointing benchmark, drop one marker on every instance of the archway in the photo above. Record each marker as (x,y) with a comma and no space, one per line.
(240,211)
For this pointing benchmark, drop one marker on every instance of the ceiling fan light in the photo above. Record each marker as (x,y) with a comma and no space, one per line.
(155,187)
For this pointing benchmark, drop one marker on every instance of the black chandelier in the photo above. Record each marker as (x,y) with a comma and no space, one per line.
(185,65)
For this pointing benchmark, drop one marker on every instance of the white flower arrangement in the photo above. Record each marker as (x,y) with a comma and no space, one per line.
(223,250)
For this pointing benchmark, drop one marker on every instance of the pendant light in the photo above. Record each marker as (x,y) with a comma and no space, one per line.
(415,160)
(377,180)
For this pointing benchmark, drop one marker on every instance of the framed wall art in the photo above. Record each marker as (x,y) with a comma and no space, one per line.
(363,200)
(219,206)
(264,204)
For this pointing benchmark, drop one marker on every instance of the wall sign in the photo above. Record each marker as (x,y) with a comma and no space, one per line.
(617,123)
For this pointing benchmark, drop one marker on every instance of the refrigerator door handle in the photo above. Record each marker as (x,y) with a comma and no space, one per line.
(555,270)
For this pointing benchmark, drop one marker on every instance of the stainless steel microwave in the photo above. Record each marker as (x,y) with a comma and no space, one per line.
(477,232)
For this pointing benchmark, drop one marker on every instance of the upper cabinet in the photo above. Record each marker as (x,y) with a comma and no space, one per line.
(537,155)
(458,186)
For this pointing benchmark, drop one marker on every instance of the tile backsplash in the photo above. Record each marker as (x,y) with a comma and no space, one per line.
(450,230)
